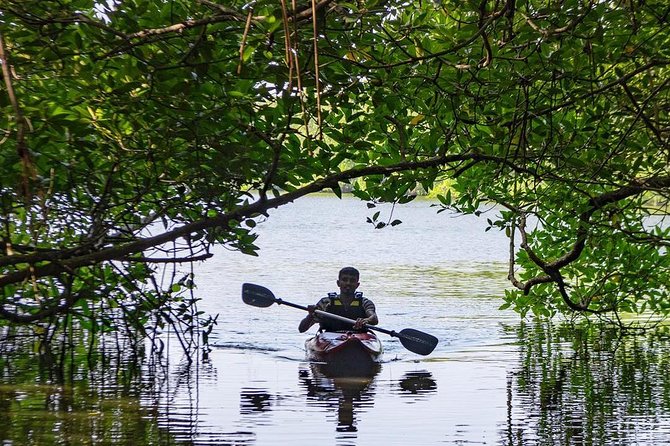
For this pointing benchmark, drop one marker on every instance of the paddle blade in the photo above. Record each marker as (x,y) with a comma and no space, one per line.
(417,341)
(257,295)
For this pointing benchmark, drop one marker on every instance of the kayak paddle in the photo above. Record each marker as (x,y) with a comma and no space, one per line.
(413,340)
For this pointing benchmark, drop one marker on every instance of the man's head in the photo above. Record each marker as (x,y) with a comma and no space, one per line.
(349,271)
(347,280)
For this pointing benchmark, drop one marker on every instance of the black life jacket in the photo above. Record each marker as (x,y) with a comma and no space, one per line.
(351,311)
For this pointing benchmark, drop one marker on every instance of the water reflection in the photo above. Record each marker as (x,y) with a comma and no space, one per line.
(418,383)
(519,384)
(326,385)
(588,385)
(255,401)
(552,385)
(51,397)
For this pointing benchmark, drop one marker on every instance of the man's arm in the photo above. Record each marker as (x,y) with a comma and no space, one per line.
(308,320)
(311,319)
(370,313)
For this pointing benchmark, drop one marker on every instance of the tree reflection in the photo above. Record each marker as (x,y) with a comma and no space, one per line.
(78,395)
(588,385)
(255,401)
(418,382)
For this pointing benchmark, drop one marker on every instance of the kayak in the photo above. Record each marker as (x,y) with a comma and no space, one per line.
(413,340)
(341,346)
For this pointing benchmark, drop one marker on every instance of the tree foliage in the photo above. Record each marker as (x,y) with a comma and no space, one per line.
(135,132)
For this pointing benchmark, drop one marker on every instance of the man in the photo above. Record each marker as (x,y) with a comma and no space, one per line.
(348,303)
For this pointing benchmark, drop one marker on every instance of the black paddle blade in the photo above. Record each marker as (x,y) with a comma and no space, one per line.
(257,295)
(417,341)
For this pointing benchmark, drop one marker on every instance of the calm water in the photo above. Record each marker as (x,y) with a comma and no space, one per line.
(492,379)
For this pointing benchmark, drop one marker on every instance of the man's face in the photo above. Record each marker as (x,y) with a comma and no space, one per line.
(347,283)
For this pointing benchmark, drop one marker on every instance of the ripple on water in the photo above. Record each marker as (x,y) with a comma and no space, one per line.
(245,346)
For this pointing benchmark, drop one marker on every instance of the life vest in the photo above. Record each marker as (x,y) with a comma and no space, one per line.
(352,311)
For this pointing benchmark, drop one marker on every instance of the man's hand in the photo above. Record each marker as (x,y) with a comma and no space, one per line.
(312,315)
(361,322)
(309,320)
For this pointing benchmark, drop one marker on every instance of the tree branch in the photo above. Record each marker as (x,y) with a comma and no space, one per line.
(480,32)
(29,173)
(552,269)
(546,33)
(56,265)
(169,259)
(45,310)
(620,81)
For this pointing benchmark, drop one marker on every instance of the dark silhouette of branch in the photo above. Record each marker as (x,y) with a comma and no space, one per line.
(54,263)
(22,124)
(597,91)
(168,259)
(546,33)
(47,308)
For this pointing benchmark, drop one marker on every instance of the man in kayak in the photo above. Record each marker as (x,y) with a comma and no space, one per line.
(348,303)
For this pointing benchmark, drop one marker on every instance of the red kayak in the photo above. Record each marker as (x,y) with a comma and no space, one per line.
(347,347)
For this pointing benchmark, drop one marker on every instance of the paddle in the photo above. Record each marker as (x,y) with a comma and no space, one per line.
(413,340)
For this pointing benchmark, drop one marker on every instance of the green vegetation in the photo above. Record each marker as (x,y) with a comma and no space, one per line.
(135,131)
(77,398)
(585,382)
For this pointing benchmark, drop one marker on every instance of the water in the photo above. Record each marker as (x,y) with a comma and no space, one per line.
(420,271)
(492,380)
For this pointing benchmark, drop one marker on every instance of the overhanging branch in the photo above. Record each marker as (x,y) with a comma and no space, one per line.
(552,269)
(54,263)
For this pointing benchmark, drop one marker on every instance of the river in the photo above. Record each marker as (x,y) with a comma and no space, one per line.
(492,380)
